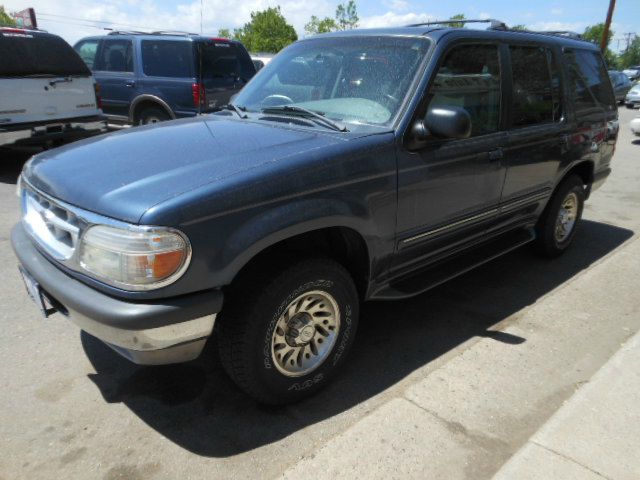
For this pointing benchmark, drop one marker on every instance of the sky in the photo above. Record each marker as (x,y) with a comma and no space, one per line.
(74,19)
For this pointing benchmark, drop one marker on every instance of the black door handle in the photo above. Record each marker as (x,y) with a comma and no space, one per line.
(496,154)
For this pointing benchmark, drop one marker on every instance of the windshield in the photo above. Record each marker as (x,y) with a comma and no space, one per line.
(26,54)
(348,79)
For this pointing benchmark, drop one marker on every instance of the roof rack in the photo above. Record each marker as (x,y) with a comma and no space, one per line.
(494,24)
(171,32)
(157,32)
(125,32)
(561,33)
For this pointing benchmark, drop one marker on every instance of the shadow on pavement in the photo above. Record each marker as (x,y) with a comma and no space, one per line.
(11,162)
(196,406)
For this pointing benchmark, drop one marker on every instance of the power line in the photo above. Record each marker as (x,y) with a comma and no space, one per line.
(104,22)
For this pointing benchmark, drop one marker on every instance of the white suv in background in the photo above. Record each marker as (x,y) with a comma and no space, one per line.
(47,94)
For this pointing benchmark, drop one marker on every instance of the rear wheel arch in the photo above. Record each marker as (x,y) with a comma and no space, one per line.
(148,101)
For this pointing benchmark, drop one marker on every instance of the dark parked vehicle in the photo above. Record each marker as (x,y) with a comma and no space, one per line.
(358,165)
(621,85)
(148,78)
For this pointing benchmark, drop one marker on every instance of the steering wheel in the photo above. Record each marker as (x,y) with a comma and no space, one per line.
(275,100)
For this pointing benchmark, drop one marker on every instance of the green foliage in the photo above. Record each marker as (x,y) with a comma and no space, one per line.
(268,31)
(317,25)
(347,16)
(224,33)
(459,16)
(6,20)
(519,27)
(593,33)
(631,56)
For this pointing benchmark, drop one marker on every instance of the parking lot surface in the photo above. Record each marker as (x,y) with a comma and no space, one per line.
(446,385)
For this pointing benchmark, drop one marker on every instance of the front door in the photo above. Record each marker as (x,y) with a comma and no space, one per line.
(450,189)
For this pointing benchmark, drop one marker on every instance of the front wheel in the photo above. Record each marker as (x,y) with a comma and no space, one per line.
(558,223)
(286,337)
(153,115)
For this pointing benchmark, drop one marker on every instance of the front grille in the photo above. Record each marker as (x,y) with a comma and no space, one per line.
(54,227)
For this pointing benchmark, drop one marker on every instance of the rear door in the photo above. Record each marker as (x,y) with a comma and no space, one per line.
(114,71)
(537,132)
(42,79)
(224,67)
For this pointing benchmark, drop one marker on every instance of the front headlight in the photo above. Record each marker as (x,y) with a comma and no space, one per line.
(138,259)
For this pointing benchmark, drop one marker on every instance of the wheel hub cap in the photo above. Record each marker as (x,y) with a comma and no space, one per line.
(566,217)
(305,333)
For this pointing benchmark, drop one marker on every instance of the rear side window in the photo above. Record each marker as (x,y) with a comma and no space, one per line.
(87,51)
(588,80)
(470,78)
(536,86)
(115,56)
(26,54)
(167,58)
(223,62)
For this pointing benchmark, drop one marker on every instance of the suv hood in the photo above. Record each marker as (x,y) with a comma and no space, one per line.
(122,175)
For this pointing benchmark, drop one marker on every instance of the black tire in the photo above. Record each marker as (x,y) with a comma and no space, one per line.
(629,106)
(547,244)
(249,318)
(153,115)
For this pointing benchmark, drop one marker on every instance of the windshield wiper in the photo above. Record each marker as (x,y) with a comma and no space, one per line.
(305,112)
(234,108)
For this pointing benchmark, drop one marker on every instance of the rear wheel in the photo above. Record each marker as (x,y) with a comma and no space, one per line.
(284,338)
(153,115)
(557,225)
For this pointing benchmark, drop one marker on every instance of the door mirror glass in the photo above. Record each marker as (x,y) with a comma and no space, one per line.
(444,122)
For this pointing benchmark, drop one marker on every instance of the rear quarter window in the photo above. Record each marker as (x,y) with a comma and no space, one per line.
(167,58)
(221,61)
(589,82)
(27,54)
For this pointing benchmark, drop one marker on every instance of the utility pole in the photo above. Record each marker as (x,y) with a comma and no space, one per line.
(628,36)
(605,33)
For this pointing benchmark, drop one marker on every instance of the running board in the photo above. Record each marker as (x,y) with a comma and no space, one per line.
(444,270)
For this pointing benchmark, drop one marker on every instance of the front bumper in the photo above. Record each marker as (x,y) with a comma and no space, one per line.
(632,100)
(43,133)
(170,330)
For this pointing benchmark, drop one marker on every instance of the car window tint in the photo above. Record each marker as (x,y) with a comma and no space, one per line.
(87,51)
(115,56)
(588,80)
(23,54)
(223,63)
(536,86)
(167,58)
(469,78)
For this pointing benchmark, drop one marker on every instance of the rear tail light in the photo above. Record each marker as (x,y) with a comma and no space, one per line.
(199,98)
(96,88)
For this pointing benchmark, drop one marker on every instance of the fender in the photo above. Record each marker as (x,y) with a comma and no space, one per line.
(151,98)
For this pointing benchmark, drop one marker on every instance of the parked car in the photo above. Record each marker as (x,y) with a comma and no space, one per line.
(148,78)
(358,165)
(635,126)
(621,85)
(632,72)
(632,99)
(261,59)
(47,94)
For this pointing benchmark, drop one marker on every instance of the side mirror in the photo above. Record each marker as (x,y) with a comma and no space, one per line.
(443,122)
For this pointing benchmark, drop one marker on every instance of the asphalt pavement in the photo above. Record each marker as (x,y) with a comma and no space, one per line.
(455,383)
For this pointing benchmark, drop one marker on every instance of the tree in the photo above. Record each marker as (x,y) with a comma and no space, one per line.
(224,33)
(347,15)
(519,27)
(631,56)
(459,16)
(6,20)
(268,31)
(316,25)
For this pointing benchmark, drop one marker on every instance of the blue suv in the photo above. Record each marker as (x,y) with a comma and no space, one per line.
(148,78)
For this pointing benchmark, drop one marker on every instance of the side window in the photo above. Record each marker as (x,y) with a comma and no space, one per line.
(115,56)
(588,80)
(536,86)
(469,78)
(87,51)
(166,58)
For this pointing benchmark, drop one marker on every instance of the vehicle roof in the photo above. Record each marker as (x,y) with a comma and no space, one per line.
(39,33)
(435,33)
(187,37)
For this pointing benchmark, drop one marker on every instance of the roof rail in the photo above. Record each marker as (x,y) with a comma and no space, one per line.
(494,24)
(562,33)
(125,32)
(171,32)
